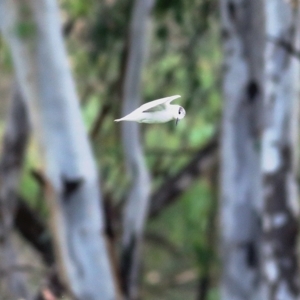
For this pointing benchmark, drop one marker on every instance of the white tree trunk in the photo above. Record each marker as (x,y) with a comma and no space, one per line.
(41,65)
(136,208)
(279,155)
(242,23)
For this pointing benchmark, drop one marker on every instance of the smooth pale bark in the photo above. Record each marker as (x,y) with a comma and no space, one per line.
(136,207)
(242,23)
(279,152)
(14,149)
(32,30)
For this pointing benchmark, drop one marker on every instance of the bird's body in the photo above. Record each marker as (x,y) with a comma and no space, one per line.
(148,117)
(157,111)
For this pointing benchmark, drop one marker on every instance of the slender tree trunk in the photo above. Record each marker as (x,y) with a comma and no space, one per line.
(32,30)
(14,148)
(242,23)
(279,155)
(136,208)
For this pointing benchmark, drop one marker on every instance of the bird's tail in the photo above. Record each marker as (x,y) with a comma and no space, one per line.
(126,118)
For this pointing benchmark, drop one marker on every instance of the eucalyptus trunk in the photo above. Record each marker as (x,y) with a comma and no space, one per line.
(33,32)
(279,152)
(137,203)
(242,23)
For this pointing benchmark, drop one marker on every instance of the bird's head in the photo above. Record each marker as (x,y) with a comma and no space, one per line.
(179,113)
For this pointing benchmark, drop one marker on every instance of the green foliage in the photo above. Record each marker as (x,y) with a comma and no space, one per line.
(110,26)
(5,58)
(186,229)
(78,8)
(90,111)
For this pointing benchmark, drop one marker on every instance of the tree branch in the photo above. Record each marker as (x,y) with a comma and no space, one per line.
(33,230)
(176,185)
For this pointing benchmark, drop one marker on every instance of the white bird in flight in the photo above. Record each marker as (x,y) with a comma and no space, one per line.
(157,111)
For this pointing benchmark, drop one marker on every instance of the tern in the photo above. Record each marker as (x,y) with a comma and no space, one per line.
(157,111)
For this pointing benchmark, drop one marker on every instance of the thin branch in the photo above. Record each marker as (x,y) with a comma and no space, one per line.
(177,184)
(154,237)
(33,230)
(99,120)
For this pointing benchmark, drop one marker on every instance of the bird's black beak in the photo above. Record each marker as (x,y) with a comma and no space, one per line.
(176,122)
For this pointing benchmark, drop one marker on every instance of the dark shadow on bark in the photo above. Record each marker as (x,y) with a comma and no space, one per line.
(14,148)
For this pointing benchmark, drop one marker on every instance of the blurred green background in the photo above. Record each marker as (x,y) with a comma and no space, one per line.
(184,57)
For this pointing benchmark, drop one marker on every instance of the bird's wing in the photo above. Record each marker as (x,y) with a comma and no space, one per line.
(157,104)
(155,108)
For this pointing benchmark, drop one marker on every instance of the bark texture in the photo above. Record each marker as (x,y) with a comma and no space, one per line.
(279,155)
(14,149)
(32,30)
(242,23)
(136,208)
